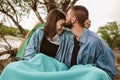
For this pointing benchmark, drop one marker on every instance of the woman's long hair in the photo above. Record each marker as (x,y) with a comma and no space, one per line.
(52,18)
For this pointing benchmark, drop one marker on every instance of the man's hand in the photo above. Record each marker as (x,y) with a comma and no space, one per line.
(87,23)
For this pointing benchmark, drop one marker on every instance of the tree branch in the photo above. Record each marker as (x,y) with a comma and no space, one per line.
(72,3)
(16,23)
(9,46)
(13,10)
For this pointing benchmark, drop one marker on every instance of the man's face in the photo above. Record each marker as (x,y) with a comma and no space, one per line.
(69,19)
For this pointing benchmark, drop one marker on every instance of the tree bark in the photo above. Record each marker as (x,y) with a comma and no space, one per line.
(38,16)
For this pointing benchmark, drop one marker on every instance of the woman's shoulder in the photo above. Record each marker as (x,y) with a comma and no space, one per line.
(39,30)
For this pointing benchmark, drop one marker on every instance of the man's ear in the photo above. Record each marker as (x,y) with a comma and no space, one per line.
(73,20)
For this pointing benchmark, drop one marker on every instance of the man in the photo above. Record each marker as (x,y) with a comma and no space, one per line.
(88,47)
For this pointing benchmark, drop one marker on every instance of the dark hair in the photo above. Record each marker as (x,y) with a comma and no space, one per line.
(52,18)
(81,13)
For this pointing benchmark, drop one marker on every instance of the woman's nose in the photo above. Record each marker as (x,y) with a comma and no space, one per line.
(63,27)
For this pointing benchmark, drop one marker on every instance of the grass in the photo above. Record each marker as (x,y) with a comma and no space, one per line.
(5,30)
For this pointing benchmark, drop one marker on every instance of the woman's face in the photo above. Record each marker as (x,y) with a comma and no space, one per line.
(60,26)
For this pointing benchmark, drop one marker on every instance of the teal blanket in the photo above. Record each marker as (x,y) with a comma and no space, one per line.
(42,67)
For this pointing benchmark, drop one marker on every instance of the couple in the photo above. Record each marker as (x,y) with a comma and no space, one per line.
(84,54)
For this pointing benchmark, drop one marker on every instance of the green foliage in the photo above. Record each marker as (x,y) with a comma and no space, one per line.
(5,30)
(111,34)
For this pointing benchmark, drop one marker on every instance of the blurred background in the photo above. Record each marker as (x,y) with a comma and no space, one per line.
(18,17)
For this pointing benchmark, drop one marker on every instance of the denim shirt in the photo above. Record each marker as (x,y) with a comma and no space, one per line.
(93,50)
(34,44)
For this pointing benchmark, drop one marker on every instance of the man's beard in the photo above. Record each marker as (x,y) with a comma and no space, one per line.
(69,25)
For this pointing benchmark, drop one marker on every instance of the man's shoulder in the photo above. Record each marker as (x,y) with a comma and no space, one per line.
(93,35)
(94,38)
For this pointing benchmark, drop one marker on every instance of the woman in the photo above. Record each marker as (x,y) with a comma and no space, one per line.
(48,40)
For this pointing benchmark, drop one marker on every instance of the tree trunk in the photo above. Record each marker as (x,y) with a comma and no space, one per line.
(9,46)
(38,16)
(23,32)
